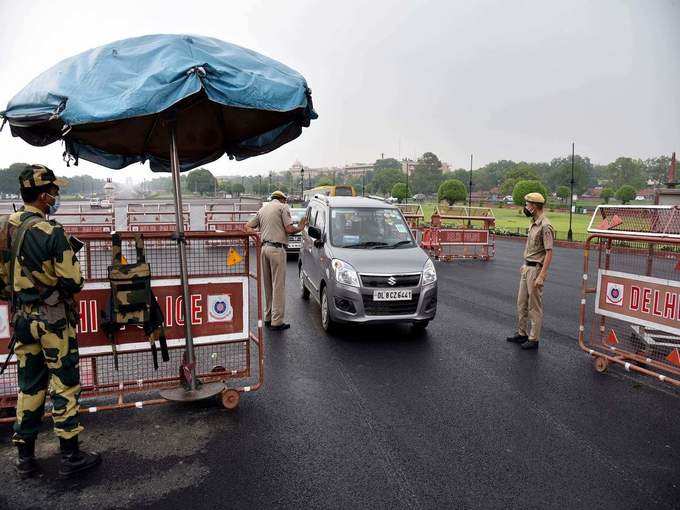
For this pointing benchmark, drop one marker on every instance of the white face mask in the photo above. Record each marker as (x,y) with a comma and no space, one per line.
(53,208)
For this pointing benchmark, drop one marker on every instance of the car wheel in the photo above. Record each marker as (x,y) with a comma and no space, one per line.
(420,325)
(304,291)
(326,321)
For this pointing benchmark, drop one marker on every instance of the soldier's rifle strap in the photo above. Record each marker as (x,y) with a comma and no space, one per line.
(17,243)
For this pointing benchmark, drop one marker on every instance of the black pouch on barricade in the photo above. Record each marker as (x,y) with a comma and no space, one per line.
(132,301)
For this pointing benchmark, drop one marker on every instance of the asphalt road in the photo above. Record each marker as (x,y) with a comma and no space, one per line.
(384,418)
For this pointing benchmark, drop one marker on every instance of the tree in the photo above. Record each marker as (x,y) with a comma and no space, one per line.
(237,188)
(225,186)
(381,164)
(494,173)
(606,194)
(427,175)
(385,179)
(560,173)
(626,171)
(399,191)
(563,193)
(523,188)
(201,181)
(625,193)
(452,190)
(520,171)
(656,169)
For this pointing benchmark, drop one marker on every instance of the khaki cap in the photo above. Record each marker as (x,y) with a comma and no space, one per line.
(36,176)
(279,194)
(535,198)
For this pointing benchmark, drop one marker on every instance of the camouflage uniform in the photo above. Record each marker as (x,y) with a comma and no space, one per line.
(46,348)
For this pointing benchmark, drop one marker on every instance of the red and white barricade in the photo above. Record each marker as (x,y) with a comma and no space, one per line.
(630,290)
(78,220)
(460,233)
(226,318)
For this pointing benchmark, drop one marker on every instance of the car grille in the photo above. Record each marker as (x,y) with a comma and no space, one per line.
(385,281)
(390,307)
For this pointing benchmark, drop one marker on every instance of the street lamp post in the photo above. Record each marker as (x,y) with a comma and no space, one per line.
(259,187)
(571,197)
(302,184)
(407,191)
(269,190)
(470,194)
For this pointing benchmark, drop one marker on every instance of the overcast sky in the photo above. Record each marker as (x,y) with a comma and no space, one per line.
(501,79)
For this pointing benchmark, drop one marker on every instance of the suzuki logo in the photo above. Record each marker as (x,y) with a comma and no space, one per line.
(392,281)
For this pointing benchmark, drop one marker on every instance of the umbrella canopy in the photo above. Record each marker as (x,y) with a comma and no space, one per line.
(112,105)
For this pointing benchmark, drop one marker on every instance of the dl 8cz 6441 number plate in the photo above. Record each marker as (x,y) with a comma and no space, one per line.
(391,295)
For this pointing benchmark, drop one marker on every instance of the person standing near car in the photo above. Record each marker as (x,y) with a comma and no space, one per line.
(274,222)
(538,254)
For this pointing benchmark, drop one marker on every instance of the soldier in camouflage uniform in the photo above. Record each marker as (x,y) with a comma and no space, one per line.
(46,277)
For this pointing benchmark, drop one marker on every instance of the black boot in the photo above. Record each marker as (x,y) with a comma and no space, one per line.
(73,461)
(517,339)
(26,464)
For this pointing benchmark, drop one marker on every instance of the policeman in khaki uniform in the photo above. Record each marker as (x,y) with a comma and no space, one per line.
(538,254)
(46,277)
(275,223)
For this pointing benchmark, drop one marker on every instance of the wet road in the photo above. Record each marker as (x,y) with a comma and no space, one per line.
(384,418)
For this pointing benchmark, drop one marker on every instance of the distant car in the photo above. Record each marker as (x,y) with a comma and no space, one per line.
(105,204)
(419,197)
(508,199)
(295,240)
(95,202)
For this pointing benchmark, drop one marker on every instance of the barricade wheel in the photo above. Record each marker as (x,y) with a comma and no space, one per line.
(230,399)
(601,364)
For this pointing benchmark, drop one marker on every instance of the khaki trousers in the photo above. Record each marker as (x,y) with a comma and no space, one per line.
(529,304)
(274,279)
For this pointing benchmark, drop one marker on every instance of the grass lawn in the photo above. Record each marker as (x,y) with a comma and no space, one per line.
(513,218)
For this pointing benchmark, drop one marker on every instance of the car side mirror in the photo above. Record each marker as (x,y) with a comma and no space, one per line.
(314,232)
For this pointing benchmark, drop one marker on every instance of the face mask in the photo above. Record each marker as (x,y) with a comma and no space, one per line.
(527,212)
(53,208)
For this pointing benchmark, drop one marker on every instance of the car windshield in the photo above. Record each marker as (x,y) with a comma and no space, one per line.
(369,229)
(297,214)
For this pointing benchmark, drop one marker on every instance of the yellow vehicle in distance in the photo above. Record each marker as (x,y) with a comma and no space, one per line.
(341,190)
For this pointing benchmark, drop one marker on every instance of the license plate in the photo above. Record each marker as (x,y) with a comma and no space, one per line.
(391,295)
(293,245)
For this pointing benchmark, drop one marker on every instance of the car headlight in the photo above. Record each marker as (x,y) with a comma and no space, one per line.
(345,273)
(429,272)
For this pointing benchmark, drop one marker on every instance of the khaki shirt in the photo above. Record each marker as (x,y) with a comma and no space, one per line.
(540,239)
(271,219)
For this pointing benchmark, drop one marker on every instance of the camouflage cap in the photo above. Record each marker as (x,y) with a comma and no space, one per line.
(35,176)
(535,198)
(279,194)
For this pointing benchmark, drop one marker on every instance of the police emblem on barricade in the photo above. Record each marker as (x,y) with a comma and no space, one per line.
(219,308)
(614,294)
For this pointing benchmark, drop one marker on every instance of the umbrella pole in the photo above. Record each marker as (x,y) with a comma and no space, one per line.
(182,253)
(195,391)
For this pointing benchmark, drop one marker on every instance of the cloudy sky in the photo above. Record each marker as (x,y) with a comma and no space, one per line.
(501,79)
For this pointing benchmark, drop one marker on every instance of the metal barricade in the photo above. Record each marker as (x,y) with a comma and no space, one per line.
(226,217)
(460,233)
(413,214)
(226,322)
(78,220)
(158,217)
(630,295)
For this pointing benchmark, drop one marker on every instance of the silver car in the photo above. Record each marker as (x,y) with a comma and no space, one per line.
(360,262)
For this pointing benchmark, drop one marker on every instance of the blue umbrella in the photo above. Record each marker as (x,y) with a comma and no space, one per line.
(177,101)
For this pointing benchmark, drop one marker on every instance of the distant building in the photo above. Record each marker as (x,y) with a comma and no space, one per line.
(357,169)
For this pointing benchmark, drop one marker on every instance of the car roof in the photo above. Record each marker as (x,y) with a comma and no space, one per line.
(353,202)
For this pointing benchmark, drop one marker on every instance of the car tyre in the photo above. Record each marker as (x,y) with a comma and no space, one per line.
(304,291)
(420,325)
(326,322)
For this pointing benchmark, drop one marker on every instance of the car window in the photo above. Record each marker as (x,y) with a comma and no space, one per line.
(369,228)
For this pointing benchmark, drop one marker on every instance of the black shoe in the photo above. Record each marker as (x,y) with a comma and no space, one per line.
(530,344)
(26,464)
(280,327)
(267,324)
(73,461)
(517,339)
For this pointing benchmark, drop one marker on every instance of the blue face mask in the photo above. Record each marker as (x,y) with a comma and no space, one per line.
(53,208)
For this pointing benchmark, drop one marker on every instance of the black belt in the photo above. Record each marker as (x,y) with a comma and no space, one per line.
(531,263)
(275,245)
